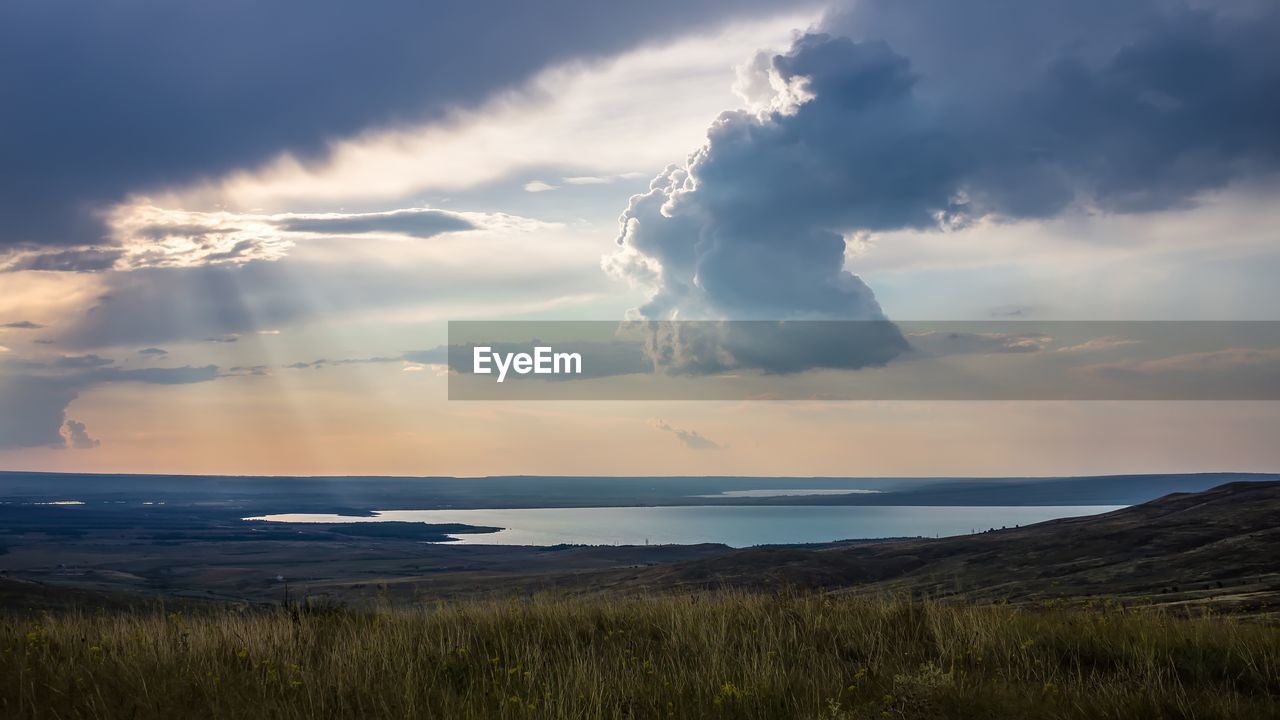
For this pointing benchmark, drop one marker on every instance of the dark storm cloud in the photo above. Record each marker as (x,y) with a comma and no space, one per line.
(419,223)
(1127,107)
(32,410)
(28,257)
(1015,111)
(107,99)
(34,395)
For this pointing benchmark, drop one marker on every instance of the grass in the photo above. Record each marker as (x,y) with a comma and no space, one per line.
(712,655)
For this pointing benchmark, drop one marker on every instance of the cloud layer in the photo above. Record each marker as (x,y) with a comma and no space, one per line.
(120,99)
(1120,110)
(34,396)
(146,236)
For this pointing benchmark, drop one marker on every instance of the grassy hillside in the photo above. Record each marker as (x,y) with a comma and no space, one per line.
(712,655)
(1218,548)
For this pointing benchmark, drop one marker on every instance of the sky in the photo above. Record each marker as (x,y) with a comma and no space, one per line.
(232,234)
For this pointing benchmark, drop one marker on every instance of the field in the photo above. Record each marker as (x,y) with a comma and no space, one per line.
(123,609)
(713,654)
(138,536)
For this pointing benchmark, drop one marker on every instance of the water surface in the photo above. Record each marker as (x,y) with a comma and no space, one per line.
(788,492)
(733,525)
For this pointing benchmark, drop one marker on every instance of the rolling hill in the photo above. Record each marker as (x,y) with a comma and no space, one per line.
(1219,547)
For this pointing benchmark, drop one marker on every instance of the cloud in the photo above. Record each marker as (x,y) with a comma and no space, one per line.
(317,364)
(939,343)
(1098,344)
(568,118)
(438,355)
(118,100)
(1120,110)
(34,396)
(22,325)
(153,352)
(185,375)
(80,361)
(600,179)
(1226,374)
(1088,104)
(751,226)
(1011,311)
(250,370)
(81,259)
(537,186)
(78,437)
(31,409)
(413,222)
(1215,361)
(772,347)
(154,306)
(154,237)
(551,121)
(690,438)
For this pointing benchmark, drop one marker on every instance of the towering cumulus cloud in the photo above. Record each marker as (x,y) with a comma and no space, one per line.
(753,225)
(933,115)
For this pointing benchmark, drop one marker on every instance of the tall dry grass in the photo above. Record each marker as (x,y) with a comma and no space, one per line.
(715,656)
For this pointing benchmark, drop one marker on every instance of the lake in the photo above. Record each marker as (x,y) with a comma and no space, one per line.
(789,492)
(733,525)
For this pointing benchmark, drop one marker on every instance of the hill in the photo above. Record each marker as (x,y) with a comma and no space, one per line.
(1219,547)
